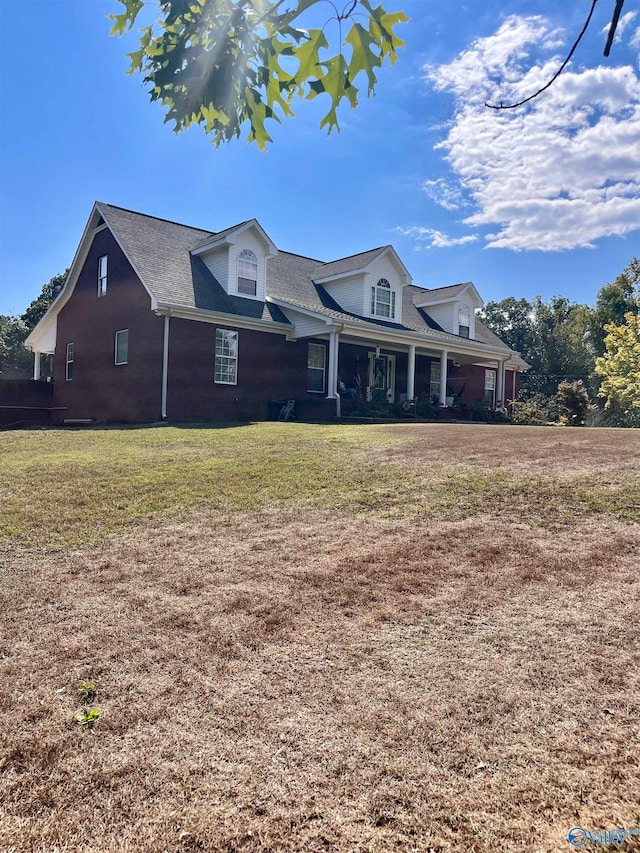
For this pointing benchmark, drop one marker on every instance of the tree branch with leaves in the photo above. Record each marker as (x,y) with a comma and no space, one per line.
(227,64)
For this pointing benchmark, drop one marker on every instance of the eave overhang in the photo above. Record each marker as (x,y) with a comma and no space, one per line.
(403,337)
(203,315)
(405,275)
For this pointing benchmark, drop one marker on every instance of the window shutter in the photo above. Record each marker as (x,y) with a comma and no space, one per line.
(393,304)
(373,300)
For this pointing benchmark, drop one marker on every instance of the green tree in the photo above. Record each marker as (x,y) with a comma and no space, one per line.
(613,301)
(226,63)
(512,321)
(39,306)
(562,343)
(15,360)
(619,367)
(552,337)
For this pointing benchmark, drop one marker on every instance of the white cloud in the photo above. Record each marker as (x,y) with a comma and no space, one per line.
(445,193)
(429,238)
(623,23)
(634,41)
(560,173)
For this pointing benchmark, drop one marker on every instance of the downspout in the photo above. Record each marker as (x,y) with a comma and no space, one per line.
(333,366)
(165,365)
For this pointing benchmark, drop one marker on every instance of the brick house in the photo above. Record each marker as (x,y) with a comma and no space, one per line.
(159,320)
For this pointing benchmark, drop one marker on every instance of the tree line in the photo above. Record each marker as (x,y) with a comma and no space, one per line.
(567,342)
(564,342)
(15,361)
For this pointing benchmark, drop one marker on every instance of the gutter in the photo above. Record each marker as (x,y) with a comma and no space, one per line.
(186,312)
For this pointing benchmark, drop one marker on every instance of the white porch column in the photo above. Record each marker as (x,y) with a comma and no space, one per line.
(36,365)
(443,377)
(332,384)
(411,373)
(500,384)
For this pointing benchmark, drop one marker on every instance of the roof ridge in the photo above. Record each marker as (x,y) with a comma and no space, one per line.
(162,218)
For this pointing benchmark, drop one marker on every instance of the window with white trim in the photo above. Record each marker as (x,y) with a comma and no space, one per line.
(464,321)
(226,365)
(434,380)
(490,387)
(316,361)
(122,347)
(68,369)
(383,300)
(247,273)
(102,275)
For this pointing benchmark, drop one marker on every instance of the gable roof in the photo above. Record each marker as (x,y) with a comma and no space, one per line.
(439,295)
(164,255)
(351,264)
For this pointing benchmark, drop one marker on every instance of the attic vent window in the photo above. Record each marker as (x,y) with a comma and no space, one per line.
(464,321)
(383,300)
(247,273)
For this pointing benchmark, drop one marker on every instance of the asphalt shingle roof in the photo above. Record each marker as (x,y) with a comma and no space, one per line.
(160,252)
(448,292)
(346,265)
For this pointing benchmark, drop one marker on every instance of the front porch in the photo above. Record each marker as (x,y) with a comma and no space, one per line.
(362,374)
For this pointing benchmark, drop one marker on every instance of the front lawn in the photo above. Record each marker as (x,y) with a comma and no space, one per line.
(303,638)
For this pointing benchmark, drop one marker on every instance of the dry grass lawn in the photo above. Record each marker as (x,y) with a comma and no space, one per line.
(411,638)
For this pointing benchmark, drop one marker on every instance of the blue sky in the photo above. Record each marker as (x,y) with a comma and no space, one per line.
(544,200)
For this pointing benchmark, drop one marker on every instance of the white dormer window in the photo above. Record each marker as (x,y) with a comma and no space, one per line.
(464,321)
(383,300)
(247,273)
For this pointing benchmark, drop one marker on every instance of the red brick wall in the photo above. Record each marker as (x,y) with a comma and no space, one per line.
(100,389)
(269,368)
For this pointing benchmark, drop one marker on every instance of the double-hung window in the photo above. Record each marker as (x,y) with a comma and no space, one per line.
(464,321)
(316,360)
(490,387)
(434,380)
(226,365)
(102,275)
(68,368)
(383,300)
(247,273)
(122,347)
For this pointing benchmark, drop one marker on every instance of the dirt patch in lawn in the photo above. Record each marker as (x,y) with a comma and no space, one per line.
(542,449)
(296,679)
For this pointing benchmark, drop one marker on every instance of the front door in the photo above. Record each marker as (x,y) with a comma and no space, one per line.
(382,374)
